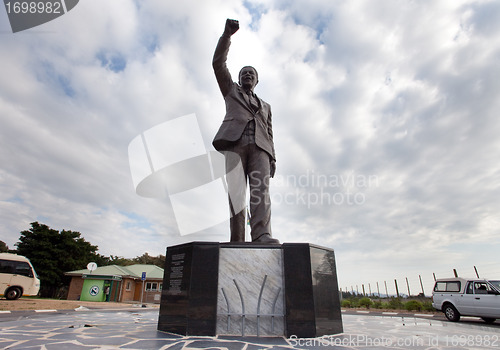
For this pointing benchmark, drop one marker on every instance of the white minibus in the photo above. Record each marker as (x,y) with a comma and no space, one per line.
(17,277)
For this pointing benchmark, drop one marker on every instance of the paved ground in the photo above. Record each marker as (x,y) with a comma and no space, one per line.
(136,329)
(55,304)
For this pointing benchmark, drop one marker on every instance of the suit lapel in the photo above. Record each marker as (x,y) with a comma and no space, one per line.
(244,97)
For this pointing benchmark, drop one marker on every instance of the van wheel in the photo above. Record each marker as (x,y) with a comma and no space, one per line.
(13,293)
(488,319)
(451,313)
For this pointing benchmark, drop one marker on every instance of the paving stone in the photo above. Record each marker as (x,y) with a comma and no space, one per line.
(137,330)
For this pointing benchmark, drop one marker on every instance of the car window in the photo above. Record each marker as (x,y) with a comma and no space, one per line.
(496,284)
(440,287)
(481,288)
(470,288)
(453,287)
(447,286)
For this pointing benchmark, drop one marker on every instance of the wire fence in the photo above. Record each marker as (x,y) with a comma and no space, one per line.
(421,285)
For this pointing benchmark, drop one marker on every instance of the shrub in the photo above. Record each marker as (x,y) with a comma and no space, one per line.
(395,303)
(413,305)
(354,302)
(427,306)
(366,302)
(378,304)
(346,303)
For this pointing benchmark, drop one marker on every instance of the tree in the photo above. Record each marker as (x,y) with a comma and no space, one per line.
(150,260)
(53,253)
(119,260)
(3,247)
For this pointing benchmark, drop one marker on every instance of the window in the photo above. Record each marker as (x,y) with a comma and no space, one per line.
(481,288)
(128,285)
(6,266)
(16,268)
(151,286)
(23,268)
(451,286)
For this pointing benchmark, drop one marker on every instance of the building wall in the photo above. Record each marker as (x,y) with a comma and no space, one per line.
(133,294)
(148,296)
(128,294)
(75,288)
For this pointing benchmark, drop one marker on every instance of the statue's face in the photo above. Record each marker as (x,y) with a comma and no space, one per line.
(248,78)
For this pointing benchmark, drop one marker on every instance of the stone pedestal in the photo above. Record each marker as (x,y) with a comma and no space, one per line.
(250,289)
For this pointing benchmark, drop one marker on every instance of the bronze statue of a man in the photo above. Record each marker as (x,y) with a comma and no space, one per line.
(246,140)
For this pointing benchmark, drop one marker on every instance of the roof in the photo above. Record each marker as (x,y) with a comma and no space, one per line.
(9,256)
(133,271)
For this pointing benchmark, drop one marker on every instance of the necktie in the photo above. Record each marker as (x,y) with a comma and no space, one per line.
(253,101)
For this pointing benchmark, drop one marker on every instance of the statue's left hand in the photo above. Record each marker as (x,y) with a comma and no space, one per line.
(273,168)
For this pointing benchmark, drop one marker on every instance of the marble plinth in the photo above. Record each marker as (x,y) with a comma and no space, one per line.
(248,289)
(250,294)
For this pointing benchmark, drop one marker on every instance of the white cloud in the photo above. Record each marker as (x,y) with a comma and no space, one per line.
(406,92)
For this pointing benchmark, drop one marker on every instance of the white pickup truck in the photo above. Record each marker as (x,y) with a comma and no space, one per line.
(467,297)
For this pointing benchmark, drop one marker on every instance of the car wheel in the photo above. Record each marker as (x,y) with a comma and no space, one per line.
(488,319)
(451,313)
(13,293)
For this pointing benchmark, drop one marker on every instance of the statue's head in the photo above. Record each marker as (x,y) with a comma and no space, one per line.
(248,77)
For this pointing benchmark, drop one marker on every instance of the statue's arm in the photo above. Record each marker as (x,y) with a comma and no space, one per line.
(220,57)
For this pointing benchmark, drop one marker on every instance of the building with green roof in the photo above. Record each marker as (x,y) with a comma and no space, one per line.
(117,283)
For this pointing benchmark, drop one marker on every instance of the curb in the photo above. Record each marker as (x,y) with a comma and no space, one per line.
(47,311)
(388,313)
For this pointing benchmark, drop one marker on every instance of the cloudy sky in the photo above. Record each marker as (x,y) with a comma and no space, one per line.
(384,115)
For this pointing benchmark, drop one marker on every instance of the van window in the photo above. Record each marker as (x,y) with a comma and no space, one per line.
(6,266)
(447,286)
(16,268)
(23,268)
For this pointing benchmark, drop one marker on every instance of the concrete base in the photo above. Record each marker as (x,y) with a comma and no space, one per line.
(250,289)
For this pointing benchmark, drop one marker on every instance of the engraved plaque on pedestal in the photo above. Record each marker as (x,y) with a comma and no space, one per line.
(189,296)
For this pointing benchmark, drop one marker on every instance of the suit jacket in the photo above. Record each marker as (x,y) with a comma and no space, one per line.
(238,109)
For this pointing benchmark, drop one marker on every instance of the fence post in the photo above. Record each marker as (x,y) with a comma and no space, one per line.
(421,285)
(408,285)
(397,290)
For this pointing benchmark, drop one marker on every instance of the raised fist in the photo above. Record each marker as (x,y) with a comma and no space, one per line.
(232,27)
